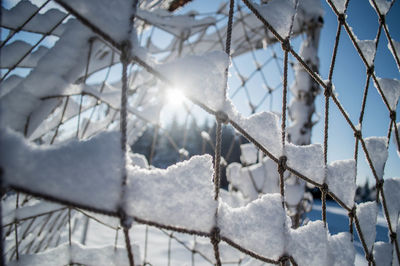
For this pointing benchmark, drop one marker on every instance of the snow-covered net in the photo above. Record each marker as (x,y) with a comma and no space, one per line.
(83,80)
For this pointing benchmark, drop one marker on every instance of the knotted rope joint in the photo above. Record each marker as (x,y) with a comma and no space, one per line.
(328,89)
(382,19)
(358,134)
(215,236)
(92,39)
(324,188)
(352,213)
(393,236)
(379,184)
(370,70)
(283,259)
(393,115)
(125,220)
(282,164)
(222,117)
(286,45)
(126,48)
(369,257)
(342,18)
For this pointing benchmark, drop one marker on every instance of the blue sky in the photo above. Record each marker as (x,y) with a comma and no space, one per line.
(349,79)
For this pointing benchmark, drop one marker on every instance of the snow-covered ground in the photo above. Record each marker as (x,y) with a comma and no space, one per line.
(338,221)
(159,241)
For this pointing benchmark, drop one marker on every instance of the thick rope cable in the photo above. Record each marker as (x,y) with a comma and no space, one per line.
(327,94)
(368,255)
(283,158)
(221,118)
(125,59)
(125,221)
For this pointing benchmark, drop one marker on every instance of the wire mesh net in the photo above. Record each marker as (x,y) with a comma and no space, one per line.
(70,72)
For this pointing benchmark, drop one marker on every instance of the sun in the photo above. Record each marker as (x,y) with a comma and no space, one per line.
(175,97)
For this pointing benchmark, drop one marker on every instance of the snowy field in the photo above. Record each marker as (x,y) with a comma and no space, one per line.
(180,245)
(338,221)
